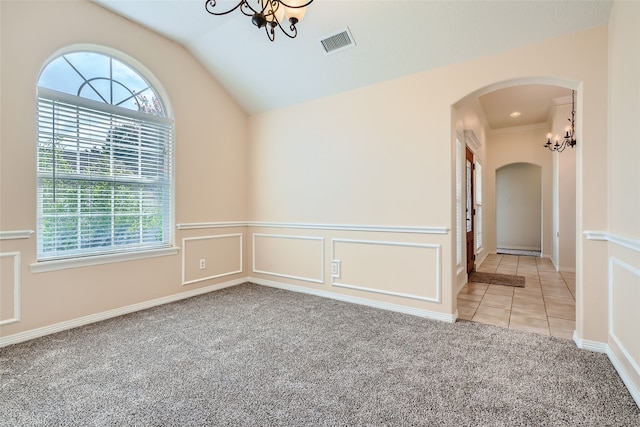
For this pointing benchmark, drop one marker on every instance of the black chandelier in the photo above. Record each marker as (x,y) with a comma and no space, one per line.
(268,14)
(569,139)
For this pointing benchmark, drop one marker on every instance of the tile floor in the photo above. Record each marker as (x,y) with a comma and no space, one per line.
(546,305)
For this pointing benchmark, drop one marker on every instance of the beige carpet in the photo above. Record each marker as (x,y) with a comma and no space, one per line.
(256,356)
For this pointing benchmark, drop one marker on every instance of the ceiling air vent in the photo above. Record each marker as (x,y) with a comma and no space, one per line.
(337,41)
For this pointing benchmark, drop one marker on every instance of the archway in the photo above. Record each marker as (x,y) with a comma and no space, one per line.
(522,146)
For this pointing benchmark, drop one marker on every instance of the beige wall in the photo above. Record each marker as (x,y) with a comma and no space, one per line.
(624,192)
(211,135)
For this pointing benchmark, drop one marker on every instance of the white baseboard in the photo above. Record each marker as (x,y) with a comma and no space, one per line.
(520,248)
(626,378)
(601,347)
(97,317)
(92,318)
(480,257)
(450,318)
(595,346)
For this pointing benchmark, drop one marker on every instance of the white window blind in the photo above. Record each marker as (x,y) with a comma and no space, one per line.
(104,178)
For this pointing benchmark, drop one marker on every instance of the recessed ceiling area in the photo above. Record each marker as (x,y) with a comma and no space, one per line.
(533,102)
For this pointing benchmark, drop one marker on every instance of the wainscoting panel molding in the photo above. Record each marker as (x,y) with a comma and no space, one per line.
(289,256)
(10,289)
(412,270)
(624,294)
(211,257)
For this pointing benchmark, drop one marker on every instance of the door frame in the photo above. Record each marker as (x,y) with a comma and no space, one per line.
(470,210)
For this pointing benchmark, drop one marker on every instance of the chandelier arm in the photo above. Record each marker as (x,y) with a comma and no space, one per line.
(251,11)
(292,27)
(270,34)
(210,4)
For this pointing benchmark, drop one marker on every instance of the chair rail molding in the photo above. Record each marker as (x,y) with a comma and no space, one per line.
(613,238)
(15,234)
(315,226)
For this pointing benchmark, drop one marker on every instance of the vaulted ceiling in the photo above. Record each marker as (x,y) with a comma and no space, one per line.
(393,39)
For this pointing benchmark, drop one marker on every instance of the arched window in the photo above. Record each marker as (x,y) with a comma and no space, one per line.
(105,159)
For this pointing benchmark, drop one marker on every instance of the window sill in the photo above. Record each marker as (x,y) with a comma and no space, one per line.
(61,264)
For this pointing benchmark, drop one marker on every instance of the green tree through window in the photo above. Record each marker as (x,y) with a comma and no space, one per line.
(105,156)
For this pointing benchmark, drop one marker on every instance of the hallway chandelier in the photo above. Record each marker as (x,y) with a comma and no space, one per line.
(569,139)
(268,14)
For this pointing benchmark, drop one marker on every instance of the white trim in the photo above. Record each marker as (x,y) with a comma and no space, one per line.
(286,236)
(92,318)
(517,129)
(90,104)
(624,375)
(436,299)
(200,225)
(613,238)
(612,336)
(561,100)
(61,264)
(310,226)
(17,234)
(461,279)
(472,141)
(481,255)
(449,318)
(595,346)
(16,287)
(521,248)
(344,227)
(215,276)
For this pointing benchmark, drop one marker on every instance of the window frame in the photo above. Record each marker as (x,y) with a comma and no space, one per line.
(164,246)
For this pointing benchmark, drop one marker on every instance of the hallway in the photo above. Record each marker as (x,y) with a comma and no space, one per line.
(546,305)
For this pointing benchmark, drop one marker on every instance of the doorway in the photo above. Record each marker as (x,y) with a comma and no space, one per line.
(519,209)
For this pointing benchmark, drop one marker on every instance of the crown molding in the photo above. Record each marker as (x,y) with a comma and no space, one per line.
(518,129)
